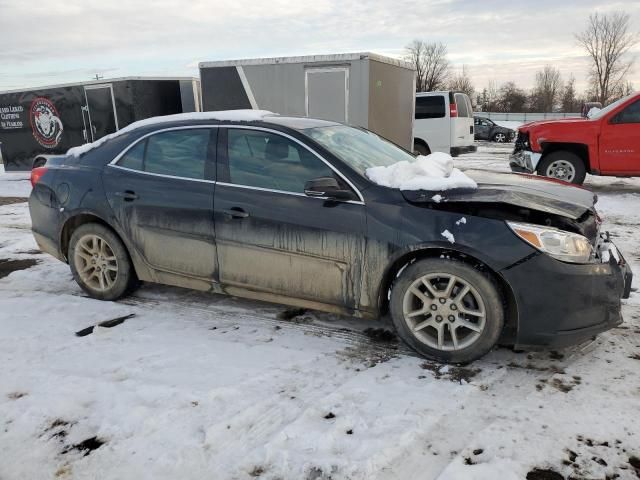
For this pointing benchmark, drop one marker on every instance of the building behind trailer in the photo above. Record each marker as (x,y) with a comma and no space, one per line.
(363,89)
(50,120)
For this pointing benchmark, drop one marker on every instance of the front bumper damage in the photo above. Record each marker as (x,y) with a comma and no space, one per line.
(561,304)
(524,161)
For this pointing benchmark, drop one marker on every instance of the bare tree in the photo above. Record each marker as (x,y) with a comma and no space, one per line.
(547,89)
(608,40)
(462,83)
(511,98)
(622,91)
(569,101)
(488,100)
(430,61)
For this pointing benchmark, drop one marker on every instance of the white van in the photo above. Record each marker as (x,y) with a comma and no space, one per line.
(443,123)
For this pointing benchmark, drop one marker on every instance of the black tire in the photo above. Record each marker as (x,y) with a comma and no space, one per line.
(421,149)
(480,342)
(546,166)
(125,280)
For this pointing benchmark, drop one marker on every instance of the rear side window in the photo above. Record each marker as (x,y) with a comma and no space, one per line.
(134,157)
(430,107)
(179,153)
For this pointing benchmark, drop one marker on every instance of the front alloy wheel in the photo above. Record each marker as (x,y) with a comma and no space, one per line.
(447,310)
(444,311)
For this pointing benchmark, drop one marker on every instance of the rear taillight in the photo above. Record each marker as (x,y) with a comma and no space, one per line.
(36,175)
(453,110)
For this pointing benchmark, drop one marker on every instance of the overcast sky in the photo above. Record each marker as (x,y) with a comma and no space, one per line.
(49,42)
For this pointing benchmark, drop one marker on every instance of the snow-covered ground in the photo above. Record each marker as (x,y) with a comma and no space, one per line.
(203,386)
(15,184)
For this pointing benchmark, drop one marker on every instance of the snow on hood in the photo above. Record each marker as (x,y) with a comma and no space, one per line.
(223,115)
(433,172)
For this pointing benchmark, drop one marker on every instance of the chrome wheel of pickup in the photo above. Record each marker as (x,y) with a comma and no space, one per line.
(444,311)
(562,170)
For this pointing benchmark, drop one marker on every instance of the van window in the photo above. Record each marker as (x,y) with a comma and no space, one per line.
(430,107)
(463,105)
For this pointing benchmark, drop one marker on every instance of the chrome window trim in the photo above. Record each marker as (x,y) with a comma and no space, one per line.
(276,132)
(114,163)
(200,180)
(296,194)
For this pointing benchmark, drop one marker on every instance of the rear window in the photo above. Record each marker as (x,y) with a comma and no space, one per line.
(430,107)
(464,105)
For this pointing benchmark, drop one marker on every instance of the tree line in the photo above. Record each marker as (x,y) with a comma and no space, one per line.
(607,40)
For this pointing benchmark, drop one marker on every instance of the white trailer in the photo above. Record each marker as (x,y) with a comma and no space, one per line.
(362,89)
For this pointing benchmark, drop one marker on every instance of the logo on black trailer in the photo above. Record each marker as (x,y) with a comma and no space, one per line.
(45,122)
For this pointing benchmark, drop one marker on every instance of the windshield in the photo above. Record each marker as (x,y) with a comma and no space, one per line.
(360,149)
(609,108)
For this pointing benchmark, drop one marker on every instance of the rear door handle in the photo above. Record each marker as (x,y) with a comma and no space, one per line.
(127,195)
(235,212)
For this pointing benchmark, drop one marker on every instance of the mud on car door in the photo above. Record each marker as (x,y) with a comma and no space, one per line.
(161,193)
(270,236)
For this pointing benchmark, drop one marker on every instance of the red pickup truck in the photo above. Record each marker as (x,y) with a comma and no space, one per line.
(606,143)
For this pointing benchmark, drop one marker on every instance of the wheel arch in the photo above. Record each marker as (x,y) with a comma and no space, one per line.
(579,149)
(394,269)
(75,221)
(420,141)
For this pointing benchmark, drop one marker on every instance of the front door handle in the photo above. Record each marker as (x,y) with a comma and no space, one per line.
(127,195)
(235,212)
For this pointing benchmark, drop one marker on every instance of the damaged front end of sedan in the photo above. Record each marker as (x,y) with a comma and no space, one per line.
(550,215)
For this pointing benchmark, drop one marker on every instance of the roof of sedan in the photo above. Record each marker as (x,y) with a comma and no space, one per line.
(298,123)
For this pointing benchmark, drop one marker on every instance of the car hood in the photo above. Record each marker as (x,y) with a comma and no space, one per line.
(526,191)
(539,123)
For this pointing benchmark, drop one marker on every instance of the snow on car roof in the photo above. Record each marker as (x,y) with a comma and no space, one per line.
(223,115)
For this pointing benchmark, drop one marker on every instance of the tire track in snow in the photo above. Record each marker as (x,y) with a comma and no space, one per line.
(237,315)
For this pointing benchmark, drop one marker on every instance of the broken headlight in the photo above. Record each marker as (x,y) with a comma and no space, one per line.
(562,245)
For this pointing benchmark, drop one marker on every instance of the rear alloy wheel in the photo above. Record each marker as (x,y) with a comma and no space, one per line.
(563,165)
(500,137)
(100,263)
(447,310)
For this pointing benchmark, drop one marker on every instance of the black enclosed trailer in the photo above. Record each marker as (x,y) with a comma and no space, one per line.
(50,120)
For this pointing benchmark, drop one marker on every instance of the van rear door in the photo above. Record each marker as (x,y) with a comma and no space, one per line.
(431,124)
(462,122)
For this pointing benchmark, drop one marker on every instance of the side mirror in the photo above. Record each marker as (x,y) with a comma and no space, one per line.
(327,187)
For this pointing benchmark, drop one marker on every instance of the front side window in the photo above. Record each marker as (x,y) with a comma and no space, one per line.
(430,107)
(267,160)
(631,114)
(178,153)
